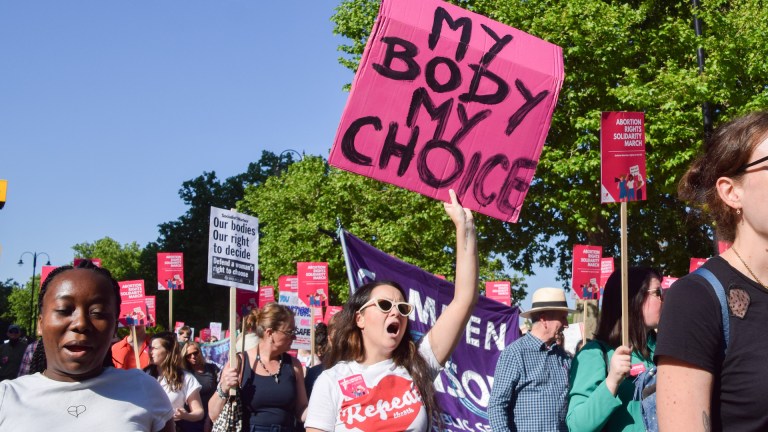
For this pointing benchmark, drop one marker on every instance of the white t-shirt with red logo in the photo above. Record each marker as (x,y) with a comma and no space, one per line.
(380,397)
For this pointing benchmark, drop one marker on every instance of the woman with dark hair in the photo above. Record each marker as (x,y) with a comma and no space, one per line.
(271,382)
(75,386)
(601,398)
(181,386)
(378,377)
(207,375)
(700,385)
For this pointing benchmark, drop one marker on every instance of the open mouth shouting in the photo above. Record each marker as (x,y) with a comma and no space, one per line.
(393,328)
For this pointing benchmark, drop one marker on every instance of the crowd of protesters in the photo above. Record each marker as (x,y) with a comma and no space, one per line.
(707,348)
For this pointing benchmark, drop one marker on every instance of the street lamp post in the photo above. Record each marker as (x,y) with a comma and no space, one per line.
(33,314)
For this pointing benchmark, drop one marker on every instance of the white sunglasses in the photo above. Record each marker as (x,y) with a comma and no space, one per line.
(384,305)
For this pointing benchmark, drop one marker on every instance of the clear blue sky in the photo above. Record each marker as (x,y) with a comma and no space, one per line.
(107,107)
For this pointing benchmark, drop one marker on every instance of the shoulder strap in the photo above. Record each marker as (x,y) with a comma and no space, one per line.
(720,292)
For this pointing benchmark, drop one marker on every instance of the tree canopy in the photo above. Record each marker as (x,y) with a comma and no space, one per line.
(625,55)
(121,260)
(292,209)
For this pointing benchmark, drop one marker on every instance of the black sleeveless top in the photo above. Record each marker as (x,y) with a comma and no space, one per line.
(266,402)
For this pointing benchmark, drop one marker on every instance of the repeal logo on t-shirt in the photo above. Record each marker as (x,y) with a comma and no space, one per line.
(393,404)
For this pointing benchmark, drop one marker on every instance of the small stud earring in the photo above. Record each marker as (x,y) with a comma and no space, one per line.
(738,211)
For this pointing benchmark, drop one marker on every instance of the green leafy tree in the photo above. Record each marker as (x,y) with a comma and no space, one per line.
(625,55)
(293,207)
(121,260)
(200,302)
(18,308)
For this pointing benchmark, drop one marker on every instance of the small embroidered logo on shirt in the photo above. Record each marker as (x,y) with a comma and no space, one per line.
(75,411)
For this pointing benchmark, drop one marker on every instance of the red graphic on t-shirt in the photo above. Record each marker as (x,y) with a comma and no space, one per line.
(392,405)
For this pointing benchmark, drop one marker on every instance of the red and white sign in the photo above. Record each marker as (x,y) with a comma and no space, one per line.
(501,291)
(587,267)
(313,283)
(266,295)
(606,269)
(288,283)
(330,311)
(151,310)
(696,263)
(622,151)
(170,271)
(446,98)
(133,307)
(667,282)
(246,300)
(44,272)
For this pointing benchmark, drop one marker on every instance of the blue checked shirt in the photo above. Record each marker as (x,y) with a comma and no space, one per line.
(530,387)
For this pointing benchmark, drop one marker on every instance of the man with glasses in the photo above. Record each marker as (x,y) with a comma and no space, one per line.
(11,353)
(530,385)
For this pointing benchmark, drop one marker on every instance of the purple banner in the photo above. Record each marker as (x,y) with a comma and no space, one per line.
(464,386)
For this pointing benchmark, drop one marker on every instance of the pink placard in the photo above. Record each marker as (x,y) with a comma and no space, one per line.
(266,295)
(723,246)
(587,268)
(246,300)
(133,307)
(696,263)
(606,269)
(177,326)
(500,291)
(313,283)
(170,271)
(151,310)
(667,281)
(330,311)
(44,272)
(446,98)
(622,151)
(288,283)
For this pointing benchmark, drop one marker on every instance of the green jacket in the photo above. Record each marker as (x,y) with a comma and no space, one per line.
(591,407)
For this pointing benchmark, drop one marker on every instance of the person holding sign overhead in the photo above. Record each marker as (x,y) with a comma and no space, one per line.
(78,389)
(601,393)
(712,351)
(378,377)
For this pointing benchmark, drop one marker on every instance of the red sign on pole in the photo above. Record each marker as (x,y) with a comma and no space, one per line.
(622,151)
(46,270)
(246,300)
(330,311)
(133,307)
(170,271)
(587,268)
(696,263)
(151,310)
(501,291)
(266,295)
(606,269)
(288,283)
(313,283)
(667,281)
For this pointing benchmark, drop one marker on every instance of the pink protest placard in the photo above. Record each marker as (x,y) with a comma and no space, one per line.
(246,300)
(330,311)
(667,281)
(95,261)
(606,268)
(177,326)
(500,291)
(266,295)
(446,98)
(696,263)
(170,271)
(44,272)
(313,283)
(151,310)
(587,268)
(723,246)
(622,152)
(288,283)
(133,307)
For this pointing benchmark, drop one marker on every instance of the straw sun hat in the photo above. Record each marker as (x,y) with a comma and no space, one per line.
(545,299)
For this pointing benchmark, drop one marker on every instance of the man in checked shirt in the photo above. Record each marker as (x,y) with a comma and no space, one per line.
(530,385)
